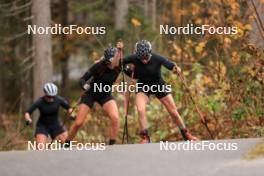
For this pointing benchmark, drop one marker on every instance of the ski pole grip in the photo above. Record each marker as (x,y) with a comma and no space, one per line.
(121,44)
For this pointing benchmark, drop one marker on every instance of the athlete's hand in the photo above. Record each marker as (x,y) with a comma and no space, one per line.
(86,87)
(28,119)
(72,117)
(132,67)
(177,70)
(120,44)
(28,122)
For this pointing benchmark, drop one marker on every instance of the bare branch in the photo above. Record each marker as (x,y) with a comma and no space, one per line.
(27,68)
(15,13)
(17,8)
(26,59)
(16,36)
(28,18)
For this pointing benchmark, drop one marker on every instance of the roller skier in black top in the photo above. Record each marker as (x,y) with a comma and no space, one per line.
(147,70)
(103,73)
(48,122)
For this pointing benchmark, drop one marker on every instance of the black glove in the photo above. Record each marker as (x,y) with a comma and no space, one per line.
(27,122)
(72,117)
(85,85)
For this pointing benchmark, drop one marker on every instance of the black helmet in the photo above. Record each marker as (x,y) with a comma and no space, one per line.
(109,53)
(143,49)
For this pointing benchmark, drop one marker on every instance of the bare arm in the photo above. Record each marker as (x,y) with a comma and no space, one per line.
(176,70)
(118,55)
(69,111)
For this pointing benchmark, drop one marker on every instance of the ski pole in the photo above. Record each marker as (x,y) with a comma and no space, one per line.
(202,117)
(125,129)
(126,113)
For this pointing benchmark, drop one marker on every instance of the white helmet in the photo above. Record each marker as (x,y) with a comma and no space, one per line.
(50,89)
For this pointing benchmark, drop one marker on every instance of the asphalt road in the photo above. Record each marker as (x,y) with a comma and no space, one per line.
(134,160)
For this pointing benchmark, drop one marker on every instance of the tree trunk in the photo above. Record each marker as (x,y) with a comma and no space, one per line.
(65,58)
(43,67)
(153,14)
(1,97)
(146,9)
(121,10)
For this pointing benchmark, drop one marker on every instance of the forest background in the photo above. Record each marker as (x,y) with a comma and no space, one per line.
(225,73)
